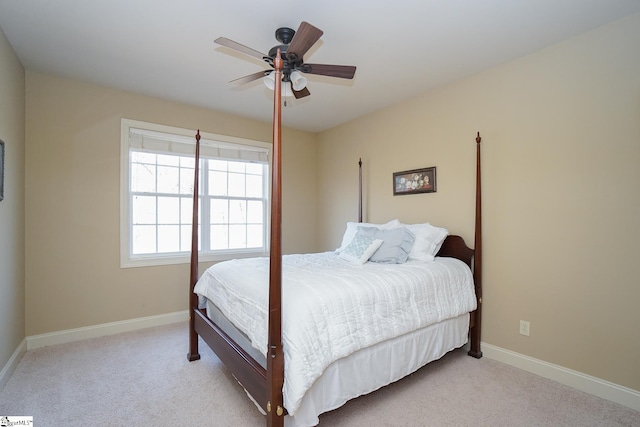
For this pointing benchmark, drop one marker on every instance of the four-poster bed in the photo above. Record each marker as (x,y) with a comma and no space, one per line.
(262,373)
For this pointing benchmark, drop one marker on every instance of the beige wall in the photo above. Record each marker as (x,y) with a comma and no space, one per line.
(12,286)
(73,274)
(561,157)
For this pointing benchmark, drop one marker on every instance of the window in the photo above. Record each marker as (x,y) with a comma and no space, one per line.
(157,174)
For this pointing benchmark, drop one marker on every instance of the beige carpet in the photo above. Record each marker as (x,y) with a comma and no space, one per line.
(143,378)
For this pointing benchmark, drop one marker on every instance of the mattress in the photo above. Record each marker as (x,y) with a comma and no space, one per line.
(332,309)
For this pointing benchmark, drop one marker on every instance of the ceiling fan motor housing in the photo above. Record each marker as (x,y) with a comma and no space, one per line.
(283,51)
(288,64)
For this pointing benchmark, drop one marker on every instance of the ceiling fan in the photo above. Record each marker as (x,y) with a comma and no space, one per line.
(294,45)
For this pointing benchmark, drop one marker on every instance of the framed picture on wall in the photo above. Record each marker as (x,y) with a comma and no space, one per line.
(1,170)
(415,181)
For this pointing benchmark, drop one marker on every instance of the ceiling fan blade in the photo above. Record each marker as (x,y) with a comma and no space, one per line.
(305,37)
(300,93)
(223,41)
(250,77)
(341,71)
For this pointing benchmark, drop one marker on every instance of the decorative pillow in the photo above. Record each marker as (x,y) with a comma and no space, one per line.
(352,229)
(360,249)
(396,247)
(428,241)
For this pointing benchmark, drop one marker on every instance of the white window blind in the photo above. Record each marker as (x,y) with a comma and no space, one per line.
(161,142)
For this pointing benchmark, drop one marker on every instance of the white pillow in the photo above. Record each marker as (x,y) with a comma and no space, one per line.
(428,241)
(360,249)
(352,229)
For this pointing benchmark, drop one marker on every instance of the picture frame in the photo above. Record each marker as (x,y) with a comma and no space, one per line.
(1,170)
(415,181)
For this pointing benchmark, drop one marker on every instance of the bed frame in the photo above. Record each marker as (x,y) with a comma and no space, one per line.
(265,385)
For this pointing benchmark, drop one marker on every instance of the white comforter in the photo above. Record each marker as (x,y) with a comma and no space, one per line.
(332,308)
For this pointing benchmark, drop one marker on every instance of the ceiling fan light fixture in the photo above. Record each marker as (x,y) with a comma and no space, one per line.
(270,80)
(298,80)
(285,88)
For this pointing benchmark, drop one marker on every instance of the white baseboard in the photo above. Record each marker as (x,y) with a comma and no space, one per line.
(70,335)
(11,365)
(583,382)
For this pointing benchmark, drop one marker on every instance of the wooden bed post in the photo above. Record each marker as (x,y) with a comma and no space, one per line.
(360,190)
(193,298)
(477,261)
(275,356)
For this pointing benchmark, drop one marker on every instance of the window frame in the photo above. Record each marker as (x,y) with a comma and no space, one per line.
(127,259)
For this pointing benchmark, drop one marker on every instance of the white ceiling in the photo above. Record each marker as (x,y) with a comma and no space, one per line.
(401,48)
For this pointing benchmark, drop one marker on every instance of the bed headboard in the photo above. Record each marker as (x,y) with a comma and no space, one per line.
(455,247)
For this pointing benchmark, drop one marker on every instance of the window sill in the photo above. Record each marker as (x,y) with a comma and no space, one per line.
(156,260)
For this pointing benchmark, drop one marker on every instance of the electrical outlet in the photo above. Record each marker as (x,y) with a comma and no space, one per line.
(524,327)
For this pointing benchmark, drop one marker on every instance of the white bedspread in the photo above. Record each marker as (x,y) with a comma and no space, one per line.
(332,308)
